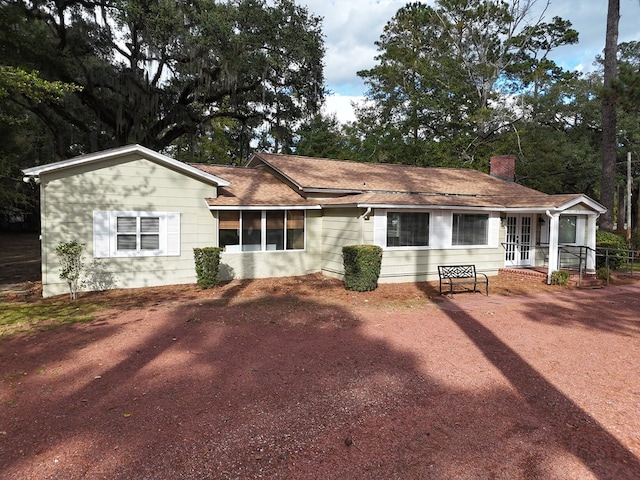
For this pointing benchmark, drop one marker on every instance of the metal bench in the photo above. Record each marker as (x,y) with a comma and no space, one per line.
(461,275)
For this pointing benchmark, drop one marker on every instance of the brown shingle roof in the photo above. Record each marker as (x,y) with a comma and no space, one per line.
(281,180)
(312,174)
(251,187)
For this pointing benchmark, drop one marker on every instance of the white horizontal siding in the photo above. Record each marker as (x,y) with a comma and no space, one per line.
(340,227)
(422,265)
(245,265)
(132,184)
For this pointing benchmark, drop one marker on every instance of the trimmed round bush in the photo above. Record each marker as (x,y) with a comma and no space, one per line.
(207,262)
(361,267)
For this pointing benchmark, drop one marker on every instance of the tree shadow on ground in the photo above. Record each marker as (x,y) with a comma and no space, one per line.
(612,309)
(288,389)
(575,430)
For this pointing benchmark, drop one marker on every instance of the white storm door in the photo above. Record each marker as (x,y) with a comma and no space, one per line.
(518,241)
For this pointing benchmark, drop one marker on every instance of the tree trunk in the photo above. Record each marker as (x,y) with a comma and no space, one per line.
(635,225)
(621,210)
(607,186)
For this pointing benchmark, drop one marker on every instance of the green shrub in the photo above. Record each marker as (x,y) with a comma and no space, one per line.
(559,277)
(603,273)
(610,241)
(361,267)
(207,262)
(71,256)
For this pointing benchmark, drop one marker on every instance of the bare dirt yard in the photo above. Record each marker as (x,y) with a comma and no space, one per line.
(297,378)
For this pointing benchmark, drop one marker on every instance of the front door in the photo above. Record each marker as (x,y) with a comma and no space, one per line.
(518,241)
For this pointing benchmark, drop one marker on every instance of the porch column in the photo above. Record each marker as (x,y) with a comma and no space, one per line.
(554,227)
(591,243)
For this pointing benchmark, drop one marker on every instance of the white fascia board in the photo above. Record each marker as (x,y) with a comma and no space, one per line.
(264,207)
(427,207)
(118,152)
(582,199)
(331,191)
(539,210)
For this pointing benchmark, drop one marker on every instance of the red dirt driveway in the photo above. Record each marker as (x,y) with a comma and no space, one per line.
(299,379)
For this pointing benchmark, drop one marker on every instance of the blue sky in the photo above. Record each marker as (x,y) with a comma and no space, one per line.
(352,26)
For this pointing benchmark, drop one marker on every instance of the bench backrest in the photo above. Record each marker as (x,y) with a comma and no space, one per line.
(457,271)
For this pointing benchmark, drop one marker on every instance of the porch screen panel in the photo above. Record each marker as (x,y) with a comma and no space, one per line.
(567,228)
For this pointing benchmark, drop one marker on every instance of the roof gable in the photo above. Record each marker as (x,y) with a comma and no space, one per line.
(252,187)
(571,201)
(139,150)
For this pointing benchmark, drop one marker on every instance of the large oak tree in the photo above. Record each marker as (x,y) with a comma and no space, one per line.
(153,72)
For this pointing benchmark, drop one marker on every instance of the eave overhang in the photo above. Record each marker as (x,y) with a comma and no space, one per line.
(144,152)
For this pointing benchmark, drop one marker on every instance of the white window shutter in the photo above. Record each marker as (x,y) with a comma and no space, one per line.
(440,229)
(173,233)
(101,239)
(494,230)
(380,228)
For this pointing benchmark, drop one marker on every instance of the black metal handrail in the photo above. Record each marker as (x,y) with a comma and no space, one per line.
(628,255)
(581,252)
(568,250)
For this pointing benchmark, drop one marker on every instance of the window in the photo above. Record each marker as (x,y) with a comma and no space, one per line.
(295,229)
(470,229)
(407,229)
(256,230)
(136,234)
(229,228)
(567,228)
(275,230)
(251,231)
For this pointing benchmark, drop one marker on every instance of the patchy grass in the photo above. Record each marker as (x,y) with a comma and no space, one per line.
(20,317)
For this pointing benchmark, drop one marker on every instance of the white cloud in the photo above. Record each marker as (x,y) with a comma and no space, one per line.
(351,30)
(352,27)
(341,106)
(589,19)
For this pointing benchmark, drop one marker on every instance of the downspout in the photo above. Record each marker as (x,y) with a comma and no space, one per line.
(364,216)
